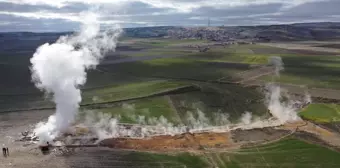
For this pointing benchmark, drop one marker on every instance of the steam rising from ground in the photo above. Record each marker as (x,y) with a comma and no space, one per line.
(277,63)
(281,106)
(282,110)
(60,69)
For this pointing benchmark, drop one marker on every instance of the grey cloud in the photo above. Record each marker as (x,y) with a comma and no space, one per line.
(26,24)
(238,10)
(69,8)
(326,8)
(137,8)
(136,14)
(10,7)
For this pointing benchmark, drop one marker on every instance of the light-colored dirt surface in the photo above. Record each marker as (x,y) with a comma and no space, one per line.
(258,135)
(28,156)
(23,155)
(330,137)
(249,78)
(295,46)
(185,141)
(256,73)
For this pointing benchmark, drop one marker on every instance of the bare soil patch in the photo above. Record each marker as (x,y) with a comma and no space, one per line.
(185,141)
(334,126)
(258,135)
(337,46)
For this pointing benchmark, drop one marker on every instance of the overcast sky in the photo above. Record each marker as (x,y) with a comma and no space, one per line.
(65,15)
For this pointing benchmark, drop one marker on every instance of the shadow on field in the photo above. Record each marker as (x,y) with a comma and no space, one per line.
(16,79)
(98,158)
(212,99)
(325,68)
(187,69)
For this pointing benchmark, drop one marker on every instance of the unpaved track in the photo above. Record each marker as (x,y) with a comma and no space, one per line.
(249,78)
(11,125)
(295,46)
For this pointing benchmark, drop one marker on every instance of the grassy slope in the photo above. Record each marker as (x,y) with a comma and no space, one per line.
(162,160)
(305,68)
(322,112)
(175,68)
(287,153)
(130,90)
(314,71)
(215,99)
(235,53)
(134,159)
(152,107)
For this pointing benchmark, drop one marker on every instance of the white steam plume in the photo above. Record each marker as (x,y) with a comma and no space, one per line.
(277,62)
(283,111)
(246,118)
(60,68)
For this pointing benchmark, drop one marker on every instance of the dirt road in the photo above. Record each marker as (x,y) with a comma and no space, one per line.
(301,46)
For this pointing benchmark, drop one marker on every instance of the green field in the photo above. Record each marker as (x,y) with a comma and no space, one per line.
(149,160)
(129,90)
(179,160)
(220,105)
(178,68)
(237,54)
(142,78)
(151,108)
(160,43)
(216,99)
(322,112)
(314,71)
(288,153)
(161,51)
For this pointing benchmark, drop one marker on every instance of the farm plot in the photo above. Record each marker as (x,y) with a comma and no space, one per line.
(218,104)
(146,111)
(286,153)
(101,158)
(129,90)
(322,113)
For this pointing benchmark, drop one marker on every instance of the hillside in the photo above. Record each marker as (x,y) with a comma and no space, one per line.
(300,31)
(27,42)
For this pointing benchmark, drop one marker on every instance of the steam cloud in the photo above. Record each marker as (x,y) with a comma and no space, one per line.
(60,69)
(282,111)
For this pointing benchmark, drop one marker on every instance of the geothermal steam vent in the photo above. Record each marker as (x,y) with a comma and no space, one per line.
(60,68)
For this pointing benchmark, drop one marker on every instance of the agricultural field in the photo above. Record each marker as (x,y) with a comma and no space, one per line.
(167,64)
(129,90)
(107,158)
(184,96)
(216,101)
(287,153)
(175,68)
(143,111)
(219,104)
(322,113)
